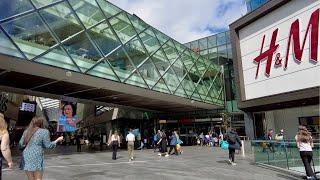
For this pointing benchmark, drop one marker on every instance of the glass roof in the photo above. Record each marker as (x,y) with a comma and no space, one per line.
(97,38)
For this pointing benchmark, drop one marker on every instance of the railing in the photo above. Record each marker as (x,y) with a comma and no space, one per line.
(283,154)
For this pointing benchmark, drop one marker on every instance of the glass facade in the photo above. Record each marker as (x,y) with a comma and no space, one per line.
(217,49)
(96,38)
(254,4)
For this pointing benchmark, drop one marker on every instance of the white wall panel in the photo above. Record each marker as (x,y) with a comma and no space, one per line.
(297,76)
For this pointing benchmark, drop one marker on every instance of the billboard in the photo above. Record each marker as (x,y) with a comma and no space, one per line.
(68,119)
(279,52)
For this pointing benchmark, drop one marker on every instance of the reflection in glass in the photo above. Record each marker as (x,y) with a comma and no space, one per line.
(104,38)
(123,27)
(6,47)
(135,51)
(61,20)
(10,8)
(81,49)
(88,11)
(30,34)
(40,3)
(57,57)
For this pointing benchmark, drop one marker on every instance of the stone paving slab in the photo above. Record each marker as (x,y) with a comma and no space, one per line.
(195,163)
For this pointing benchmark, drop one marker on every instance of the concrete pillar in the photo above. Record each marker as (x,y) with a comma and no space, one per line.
(249,127)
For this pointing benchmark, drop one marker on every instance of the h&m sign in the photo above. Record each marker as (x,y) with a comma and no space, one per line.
(293,42)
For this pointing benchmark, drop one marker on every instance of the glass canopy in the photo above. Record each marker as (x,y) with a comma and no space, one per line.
(96,38)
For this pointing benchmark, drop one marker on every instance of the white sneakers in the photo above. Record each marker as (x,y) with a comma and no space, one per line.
(232,163)
(167,155)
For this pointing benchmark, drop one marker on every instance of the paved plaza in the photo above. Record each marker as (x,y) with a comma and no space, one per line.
(195,163)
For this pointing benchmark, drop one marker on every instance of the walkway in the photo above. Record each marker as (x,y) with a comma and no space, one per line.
(195,163)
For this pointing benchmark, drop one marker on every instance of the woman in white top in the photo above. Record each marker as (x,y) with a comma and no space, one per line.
(305,145)
(4,140)
(115,143)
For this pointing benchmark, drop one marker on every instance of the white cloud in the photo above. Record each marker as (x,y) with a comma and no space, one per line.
(185,20)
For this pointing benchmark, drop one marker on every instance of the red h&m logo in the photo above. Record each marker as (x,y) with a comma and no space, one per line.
(294,37)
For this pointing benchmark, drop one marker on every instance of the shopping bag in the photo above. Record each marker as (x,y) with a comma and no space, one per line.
(224,145)
(178,147)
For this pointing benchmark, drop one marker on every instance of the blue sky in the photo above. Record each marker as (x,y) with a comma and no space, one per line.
(186,20)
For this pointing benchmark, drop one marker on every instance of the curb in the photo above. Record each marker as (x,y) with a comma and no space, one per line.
(282,170)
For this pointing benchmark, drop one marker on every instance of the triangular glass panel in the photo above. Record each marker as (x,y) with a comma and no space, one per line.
(14,7)
(104,38)
(170,51)
(171,79)
(149,73)
(6,46)
(194,55)
(122,27)
(209,99)
(180,92)
(178,67)
(58,58)
(136,80)
(202,90)
(138,24)
(135,51)
(180,47)
(103,70)
(194,74)
(161,37)
(160,61)
(150,41)
(161,87)
(108,8)
(82,51)
(196,96)
(61,20)
(201,67)
(120,64)
(88,12)
(41,3)
(187,60)
(188,85)
(30,35)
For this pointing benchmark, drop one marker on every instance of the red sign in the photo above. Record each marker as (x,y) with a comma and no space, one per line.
(185,121)
(294,39)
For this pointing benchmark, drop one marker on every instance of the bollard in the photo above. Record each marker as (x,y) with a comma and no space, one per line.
(242,149)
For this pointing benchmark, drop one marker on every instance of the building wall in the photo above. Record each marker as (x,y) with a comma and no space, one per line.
(288,119)
(280,79)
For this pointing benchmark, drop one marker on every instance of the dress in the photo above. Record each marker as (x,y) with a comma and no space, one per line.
(33,154)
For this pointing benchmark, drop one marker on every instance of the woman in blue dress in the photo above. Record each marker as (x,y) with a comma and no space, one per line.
(34,139)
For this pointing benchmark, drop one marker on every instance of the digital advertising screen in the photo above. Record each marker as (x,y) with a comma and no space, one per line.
(68,119)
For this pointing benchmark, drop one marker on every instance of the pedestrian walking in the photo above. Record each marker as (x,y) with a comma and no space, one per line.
(173,143)
(130,140)
(269,139)
(281,144)
(79,138)
(115,143)
(163,144)
(305,145)
(5,144)
(234,143)
(34,139)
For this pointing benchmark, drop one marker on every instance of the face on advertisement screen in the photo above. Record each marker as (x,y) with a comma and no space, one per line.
(67,119)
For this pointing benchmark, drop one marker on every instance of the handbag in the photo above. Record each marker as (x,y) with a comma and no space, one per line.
(224,145)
